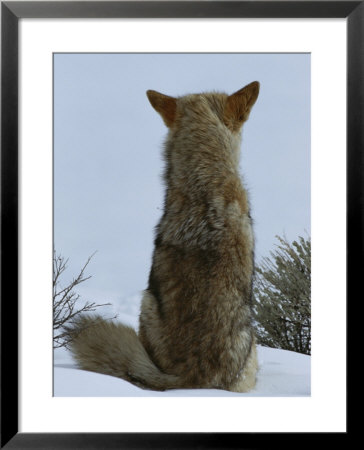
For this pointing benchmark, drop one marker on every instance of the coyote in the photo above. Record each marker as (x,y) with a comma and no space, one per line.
(195,324)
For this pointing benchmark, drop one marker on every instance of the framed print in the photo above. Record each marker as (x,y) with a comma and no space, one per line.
(74,76)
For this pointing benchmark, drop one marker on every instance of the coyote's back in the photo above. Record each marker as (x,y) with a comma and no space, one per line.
(195,321)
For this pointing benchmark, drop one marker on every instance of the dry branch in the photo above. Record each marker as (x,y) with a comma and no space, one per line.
(65,300)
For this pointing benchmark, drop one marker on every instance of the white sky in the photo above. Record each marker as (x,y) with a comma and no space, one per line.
(108,192)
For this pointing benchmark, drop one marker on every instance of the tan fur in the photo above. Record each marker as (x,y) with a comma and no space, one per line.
(195,321)
(165,105)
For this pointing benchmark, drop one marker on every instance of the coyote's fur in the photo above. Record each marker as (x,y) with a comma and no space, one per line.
(195,321)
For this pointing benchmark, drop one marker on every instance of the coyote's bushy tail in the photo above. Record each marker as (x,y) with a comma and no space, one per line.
(114,349)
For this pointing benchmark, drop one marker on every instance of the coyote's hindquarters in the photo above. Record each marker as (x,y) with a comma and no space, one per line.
(195,322)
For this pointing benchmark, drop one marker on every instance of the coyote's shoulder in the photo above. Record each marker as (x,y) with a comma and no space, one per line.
(195,321)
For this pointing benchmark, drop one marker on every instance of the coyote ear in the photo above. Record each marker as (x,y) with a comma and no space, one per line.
(239,105)
(164,105)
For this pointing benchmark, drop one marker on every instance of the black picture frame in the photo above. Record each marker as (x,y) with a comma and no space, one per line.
(11,12)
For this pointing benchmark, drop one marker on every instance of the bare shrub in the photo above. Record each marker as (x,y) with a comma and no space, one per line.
(66,305)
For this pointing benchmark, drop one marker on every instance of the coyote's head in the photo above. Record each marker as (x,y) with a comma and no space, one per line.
(231,110)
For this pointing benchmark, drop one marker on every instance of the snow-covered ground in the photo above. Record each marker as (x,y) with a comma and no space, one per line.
(281,373)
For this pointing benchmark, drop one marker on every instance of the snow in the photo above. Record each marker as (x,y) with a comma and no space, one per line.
(281,373)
